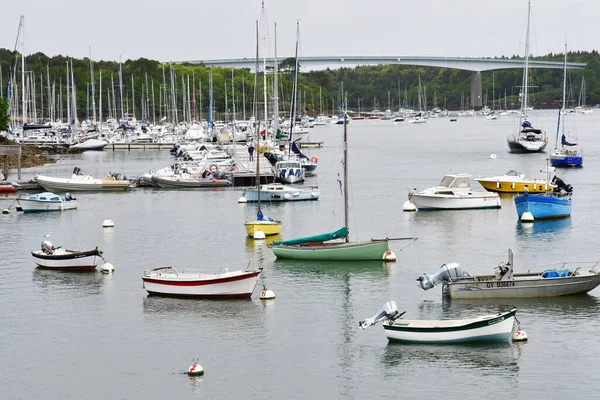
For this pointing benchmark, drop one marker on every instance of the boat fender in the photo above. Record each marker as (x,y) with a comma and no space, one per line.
(498,185)
(513,186)
(313,159)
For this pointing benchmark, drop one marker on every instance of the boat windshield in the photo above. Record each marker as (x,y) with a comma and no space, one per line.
(455,181)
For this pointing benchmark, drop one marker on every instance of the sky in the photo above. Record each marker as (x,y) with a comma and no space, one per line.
(185,30)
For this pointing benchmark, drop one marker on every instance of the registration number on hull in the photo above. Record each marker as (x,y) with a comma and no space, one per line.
(500,284)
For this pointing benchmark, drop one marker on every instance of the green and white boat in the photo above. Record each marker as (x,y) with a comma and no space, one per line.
(494,327)
(336,246)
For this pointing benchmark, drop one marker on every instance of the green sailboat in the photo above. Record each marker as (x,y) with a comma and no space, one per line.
(335,246)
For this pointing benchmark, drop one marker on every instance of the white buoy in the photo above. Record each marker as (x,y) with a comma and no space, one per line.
(527,217)
(259,235)
(267,294)
(242,199)
(409,206)
(6,211)
(519,336)
(107,268)
(389,256)
(195,369)
(493,156)
(108,223)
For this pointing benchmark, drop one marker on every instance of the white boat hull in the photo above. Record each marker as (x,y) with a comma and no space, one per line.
(188,284)
(68,260)
(497,327)
(42,206)
(80,184)
(456,202)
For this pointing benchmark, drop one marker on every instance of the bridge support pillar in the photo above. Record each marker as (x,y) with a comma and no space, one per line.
(476,91)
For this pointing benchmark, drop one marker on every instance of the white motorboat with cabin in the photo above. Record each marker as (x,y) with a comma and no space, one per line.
(454,193)
(46,201)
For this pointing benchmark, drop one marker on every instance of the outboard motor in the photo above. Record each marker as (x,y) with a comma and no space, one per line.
(446,273)
(504,272)
(47,247)
(562,185)
(389,312)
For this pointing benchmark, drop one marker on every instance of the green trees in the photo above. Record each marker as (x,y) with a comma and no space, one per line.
(4,118)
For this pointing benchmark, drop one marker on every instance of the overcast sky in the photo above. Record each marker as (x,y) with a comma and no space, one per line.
(181,30)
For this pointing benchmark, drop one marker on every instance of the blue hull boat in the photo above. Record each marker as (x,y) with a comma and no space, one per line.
(543,206)
(566,160)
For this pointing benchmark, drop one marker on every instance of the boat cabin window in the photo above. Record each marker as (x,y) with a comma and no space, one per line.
(462,182)
(42,198)
(447,181)
(55,198)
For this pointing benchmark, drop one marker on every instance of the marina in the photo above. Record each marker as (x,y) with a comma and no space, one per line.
(156,227)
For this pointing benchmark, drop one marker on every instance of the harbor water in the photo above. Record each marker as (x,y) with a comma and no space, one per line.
(95,336)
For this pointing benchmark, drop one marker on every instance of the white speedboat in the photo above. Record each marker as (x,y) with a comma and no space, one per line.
(91,144)
(289,171)
(79,182)
(168,281)
(279,192)
(50,257)
(493,327)
(46,201)
(454,193)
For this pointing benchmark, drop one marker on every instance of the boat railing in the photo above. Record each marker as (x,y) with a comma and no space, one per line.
(575,266)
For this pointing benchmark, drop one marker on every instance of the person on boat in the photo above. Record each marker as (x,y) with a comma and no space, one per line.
(251,152)
(260,216)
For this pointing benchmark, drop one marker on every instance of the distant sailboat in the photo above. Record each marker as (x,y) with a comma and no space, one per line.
(567,154)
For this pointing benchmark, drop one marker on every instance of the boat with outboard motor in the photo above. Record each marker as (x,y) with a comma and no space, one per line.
(80,182)
(454,193)
(46,201)
(552,280)
(486,328)
(50,257)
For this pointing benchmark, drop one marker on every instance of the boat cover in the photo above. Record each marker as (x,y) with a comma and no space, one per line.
(340,233)
(562,273)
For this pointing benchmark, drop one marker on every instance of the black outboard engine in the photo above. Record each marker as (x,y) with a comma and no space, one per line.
(272,157)
(76,171)
(562,185)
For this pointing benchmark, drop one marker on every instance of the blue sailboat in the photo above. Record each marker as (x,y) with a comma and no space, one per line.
(568,153)
(531,207)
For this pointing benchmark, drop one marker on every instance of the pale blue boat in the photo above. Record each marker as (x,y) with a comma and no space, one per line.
(546,206)
(279,192)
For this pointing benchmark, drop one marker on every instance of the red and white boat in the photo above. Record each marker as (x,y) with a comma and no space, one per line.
(168,281)
(51,257)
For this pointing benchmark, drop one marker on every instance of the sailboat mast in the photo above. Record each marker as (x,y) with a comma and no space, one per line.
(255,110)
(294,90)
(346,222)
(562,107)
(22,29)
(275,89)
(93,88)
(526,72)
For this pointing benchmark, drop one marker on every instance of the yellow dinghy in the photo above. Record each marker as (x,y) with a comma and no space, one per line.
(515,182)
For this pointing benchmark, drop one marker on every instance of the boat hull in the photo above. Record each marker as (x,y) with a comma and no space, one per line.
(566,161)
(32,206)
(505,186)
(372,250)
(68,260)
(229,285)
(71,185)
(251,194)
(166,183)
(269,228)
(523,286)
(472,201)
(497,327)
(543,207)
(523,146)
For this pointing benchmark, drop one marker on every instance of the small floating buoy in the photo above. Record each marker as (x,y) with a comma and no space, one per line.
(108,223)
(267,294)
(195,369)
(527,217)
(107,268)
(519,336)
(389,256)
(493,156)
(6,211)
(242,199)
(409,206)
(259,235)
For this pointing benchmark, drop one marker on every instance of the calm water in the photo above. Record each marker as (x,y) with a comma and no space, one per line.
(92,336)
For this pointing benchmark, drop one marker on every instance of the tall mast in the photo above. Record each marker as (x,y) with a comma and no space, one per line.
(275,88)
(93,88)
(100,106)
(346,172)
(265,69)
(22,29)
(257,124)
(68,98)
(120,90)
(564,97)
(294,90)
(526,73)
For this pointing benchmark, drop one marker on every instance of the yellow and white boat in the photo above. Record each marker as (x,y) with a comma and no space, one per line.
(515,182)
(268,227)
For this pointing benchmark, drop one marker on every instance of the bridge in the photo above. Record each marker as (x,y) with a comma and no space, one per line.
(476,65)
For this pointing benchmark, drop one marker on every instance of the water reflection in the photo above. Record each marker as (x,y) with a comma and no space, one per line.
(332,268)
(196,383)
(84,283)
(480,356)
(213,308)
(544,230)
(577,306)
